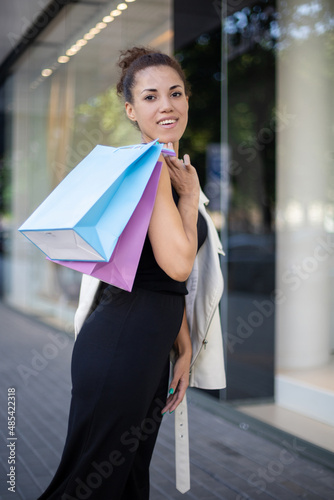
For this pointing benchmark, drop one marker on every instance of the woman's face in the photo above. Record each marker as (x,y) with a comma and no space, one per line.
(160,106)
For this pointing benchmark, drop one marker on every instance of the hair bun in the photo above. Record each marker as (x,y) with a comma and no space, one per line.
(126,58)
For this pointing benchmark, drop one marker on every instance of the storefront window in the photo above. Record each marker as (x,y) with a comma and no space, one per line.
(249,141)
(60,103)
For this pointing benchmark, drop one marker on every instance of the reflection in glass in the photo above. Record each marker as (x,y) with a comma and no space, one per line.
(252,120)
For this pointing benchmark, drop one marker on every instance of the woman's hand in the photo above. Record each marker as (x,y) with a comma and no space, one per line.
(183,175)
(179,383)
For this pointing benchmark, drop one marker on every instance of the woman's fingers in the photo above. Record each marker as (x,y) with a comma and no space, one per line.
(182,174)
(172,403)
(174,163)
(186,159)
(174,400)
(179,395)
(178,386)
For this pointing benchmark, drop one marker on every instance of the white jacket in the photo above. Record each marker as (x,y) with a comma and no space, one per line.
(205,287)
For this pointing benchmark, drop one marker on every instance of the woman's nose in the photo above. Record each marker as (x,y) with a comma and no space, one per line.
(166,105)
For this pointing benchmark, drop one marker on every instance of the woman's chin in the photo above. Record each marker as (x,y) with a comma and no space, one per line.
(164,136)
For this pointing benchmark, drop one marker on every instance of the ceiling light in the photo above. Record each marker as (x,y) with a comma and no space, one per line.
(71,52)
(75,48)
(81,42)
(63,59)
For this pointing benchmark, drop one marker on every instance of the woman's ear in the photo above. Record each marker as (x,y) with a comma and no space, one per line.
(130,111)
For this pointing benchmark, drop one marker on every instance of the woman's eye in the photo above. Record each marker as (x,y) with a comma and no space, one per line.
(149,97)
(176,94)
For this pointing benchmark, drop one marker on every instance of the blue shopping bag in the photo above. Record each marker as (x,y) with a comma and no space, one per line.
(86,213)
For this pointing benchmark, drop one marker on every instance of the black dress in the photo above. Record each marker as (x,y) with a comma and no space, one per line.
(120,371)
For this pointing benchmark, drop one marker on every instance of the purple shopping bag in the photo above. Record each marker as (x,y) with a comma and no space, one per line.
(122,266)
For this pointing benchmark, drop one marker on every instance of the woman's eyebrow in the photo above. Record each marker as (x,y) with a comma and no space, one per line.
(149,90)
(155,90)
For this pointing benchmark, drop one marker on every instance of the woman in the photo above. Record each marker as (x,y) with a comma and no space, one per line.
(120,360)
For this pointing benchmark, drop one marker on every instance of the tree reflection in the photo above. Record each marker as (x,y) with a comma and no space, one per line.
(101,119)
(201,61)
(252,36)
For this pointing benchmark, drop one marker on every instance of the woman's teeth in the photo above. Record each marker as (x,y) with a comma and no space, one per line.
(167,122)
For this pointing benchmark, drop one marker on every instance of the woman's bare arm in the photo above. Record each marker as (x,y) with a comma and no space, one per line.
(173,230)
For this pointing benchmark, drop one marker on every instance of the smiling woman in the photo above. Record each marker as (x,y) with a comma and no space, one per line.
(120,360)
(156,95)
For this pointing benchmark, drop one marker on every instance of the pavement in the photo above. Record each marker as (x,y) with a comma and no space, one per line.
(232,457)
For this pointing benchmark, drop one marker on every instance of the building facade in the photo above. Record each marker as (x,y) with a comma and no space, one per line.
(260,133)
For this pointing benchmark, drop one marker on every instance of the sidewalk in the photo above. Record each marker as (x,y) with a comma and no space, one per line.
(228,461)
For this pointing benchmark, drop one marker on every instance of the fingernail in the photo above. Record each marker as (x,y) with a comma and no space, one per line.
(163,413)
(171,412)
(171,390)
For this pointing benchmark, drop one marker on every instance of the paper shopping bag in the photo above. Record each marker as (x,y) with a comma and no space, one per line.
(86,213)
(122,266)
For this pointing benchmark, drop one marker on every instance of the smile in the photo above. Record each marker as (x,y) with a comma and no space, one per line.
(167,122)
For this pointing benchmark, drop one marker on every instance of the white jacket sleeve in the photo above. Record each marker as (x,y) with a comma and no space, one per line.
(88,289)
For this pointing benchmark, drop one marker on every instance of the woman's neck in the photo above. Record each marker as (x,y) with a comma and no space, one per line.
(176,148)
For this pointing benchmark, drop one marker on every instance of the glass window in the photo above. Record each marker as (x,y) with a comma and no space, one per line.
(249,142)
(61,102)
